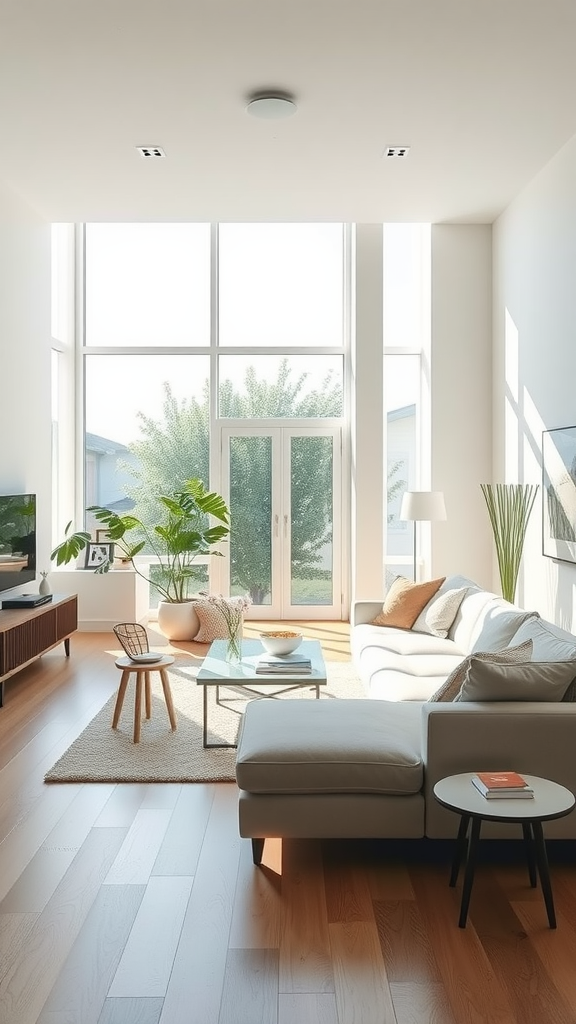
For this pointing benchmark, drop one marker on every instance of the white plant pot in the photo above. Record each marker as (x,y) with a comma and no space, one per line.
(178,621)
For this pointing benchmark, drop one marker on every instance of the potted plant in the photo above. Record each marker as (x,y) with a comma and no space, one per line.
(183,533)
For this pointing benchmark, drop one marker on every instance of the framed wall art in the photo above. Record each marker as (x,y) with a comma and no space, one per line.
(559,493)
(98,554)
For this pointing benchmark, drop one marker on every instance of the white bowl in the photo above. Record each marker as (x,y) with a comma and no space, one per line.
(281,645)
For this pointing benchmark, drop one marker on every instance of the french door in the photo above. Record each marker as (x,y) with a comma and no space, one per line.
(283,487)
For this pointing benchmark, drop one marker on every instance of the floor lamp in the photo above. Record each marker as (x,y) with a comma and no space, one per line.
(422,506)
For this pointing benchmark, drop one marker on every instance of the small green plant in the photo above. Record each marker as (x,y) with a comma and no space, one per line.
(509,507)
(182,534)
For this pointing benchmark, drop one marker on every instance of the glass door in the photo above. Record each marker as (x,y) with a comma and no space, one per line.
(283,486)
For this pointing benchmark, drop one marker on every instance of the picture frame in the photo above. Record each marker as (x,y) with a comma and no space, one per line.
(559,493)
(98,553)
(102,536)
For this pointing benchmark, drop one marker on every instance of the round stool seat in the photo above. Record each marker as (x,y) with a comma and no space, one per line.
(142,672)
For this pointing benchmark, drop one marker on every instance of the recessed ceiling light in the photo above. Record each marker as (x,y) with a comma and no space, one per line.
(398,152)
(271,106)
(150,151)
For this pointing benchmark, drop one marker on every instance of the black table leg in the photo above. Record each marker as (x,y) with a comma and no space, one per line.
(469,873)
(543,871)
(461,847)
(530,854)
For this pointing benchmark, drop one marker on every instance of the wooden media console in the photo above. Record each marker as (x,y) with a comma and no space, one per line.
(27,633)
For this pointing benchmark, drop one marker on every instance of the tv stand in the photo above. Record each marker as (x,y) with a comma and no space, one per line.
(28,633)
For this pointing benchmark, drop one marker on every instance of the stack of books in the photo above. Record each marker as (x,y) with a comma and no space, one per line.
(288,664)
(502,785)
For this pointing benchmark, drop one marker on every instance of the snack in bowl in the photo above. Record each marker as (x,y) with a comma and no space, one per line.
(281,641)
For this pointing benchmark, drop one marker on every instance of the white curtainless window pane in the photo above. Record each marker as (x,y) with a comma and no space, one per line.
(146,427)
(147,284)
(270,387)
(281,284)
(402,382)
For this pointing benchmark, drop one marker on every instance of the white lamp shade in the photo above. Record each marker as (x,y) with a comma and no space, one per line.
(423,506)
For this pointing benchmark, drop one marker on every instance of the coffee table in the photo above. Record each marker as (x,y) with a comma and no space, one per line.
(241,678)
(550,801)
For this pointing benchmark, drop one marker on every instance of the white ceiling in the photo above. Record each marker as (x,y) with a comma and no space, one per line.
(483,91)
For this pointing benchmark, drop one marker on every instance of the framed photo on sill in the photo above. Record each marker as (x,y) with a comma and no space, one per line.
(98,554)
(559,493)
(102,536)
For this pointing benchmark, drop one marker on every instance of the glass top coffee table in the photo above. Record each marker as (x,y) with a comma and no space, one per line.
(242,678)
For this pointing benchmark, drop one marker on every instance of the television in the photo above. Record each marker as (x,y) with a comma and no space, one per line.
(17,540)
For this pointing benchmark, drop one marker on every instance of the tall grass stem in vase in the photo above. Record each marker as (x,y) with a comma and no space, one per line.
(509,507)
(232,611)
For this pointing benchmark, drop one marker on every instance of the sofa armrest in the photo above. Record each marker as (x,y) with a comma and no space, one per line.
(364,611)
(528,737)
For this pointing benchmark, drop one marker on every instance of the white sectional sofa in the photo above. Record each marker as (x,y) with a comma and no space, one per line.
(367,768)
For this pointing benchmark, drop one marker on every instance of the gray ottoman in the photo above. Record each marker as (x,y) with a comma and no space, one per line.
(330,769)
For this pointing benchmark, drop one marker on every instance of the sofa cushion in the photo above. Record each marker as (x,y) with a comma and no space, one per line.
(404,602)
(339,746)
(500,623)
(550,643)
(512,655)
(439,614)
(528,680)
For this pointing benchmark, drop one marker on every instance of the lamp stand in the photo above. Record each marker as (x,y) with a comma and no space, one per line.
(414,549)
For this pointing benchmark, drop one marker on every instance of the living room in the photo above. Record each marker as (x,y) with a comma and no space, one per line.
(498,194)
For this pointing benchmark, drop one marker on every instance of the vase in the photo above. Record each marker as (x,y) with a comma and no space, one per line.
(234,647)
(44,587)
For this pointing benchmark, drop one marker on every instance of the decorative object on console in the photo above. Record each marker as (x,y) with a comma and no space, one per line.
(559,493)
(44,586)
(509,507)
(404,602)
(422,506)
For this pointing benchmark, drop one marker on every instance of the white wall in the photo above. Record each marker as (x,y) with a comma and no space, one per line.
(25,445)
(460,376)
(535,356)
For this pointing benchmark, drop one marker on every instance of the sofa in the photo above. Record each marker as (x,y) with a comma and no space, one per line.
(484,686)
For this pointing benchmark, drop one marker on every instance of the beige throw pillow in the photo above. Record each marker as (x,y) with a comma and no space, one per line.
(511,656)
(439,614)
(404,602)
(213,625)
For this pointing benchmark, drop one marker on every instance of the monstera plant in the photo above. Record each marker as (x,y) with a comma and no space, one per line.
(183,532)
(509,507)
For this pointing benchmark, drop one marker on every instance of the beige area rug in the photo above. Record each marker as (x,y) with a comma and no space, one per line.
(103,755)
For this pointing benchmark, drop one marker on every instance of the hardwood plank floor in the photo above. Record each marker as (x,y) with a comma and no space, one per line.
(139,904)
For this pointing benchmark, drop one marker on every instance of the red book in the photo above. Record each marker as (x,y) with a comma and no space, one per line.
(502,780)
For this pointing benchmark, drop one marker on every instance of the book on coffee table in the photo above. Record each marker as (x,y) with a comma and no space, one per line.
(503,785)
(288,664)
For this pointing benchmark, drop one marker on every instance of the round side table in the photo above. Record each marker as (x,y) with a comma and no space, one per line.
(142,672)
(457,793)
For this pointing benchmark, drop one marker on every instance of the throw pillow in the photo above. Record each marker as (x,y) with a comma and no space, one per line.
(213,625)
(439,614)
(501,623)
(511,656)
(404,602)
(529,680)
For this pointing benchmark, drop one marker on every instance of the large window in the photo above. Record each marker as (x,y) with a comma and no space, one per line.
(188,326)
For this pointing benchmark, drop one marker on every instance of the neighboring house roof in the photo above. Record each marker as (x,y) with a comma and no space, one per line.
(403,413)
(103,446)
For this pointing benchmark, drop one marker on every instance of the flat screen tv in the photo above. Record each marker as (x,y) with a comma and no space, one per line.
(17,540)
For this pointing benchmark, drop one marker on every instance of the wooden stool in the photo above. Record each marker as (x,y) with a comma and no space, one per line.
(142,673)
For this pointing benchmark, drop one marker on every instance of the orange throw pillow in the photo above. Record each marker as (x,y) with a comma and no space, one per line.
(404,602)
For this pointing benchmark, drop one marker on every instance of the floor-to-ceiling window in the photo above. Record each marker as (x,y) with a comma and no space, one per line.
(197,338)
(406,330)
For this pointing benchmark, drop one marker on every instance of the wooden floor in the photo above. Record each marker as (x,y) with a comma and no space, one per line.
(139,904)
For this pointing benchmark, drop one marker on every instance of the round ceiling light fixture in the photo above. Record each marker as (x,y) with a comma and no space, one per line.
(271,106)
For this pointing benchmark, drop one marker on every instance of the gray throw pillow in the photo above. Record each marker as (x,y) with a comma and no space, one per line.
(452,685)
(526,681)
